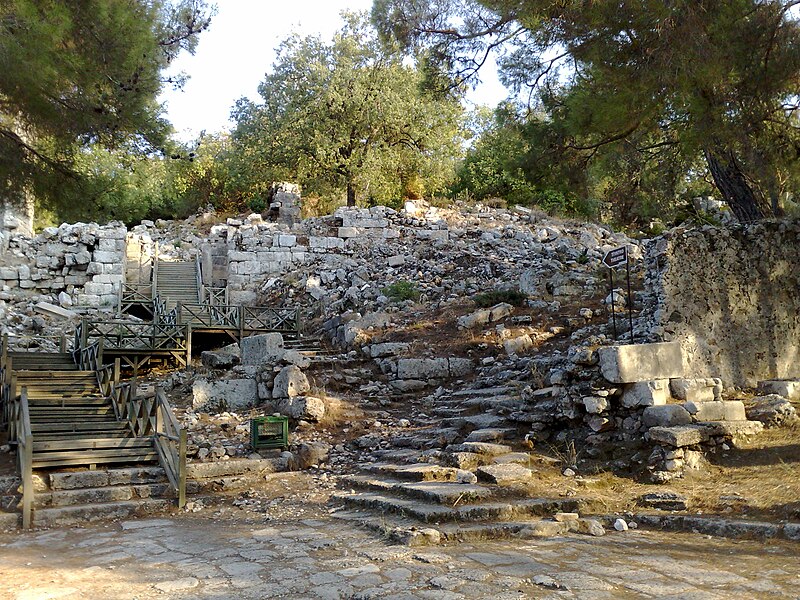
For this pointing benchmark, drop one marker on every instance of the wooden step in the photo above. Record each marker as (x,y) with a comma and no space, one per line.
(91,443)
(41,374)
(68,401)
(94,457)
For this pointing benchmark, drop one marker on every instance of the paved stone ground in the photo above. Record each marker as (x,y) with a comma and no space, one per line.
(197,556)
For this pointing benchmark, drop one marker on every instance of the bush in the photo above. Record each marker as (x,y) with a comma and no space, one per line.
(487,299)
(401,291)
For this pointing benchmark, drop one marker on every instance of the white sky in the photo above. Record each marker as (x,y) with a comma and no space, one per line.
(238,49)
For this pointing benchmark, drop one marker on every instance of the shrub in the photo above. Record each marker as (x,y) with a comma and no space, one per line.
(401,291)
(487,299)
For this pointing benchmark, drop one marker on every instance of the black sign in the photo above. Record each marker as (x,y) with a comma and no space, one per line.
(616,257)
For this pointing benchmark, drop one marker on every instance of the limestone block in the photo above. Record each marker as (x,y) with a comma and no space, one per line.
(386,349)
(641,362)
(290,382)
(396,261)
(98,289)
(595,404)
(732,410)
(423,368)
(476,319)
(307,408)
(266,348)
(788,388)
(460,367)
(508,474)
(646,393)
(390,234)
(224,394)
(667,415)
(286,240)
(90,300)
(348,232)
(518,345)
(325,243)
(8,273)
(52,310)
(105,256)
(677,437)
(695,390)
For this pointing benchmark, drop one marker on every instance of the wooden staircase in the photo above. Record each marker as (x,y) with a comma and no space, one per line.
(71,421)
(177,282)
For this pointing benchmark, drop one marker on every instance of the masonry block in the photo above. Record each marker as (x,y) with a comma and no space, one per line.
(641,362)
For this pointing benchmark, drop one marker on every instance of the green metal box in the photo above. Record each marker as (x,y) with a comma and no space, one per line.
(269,432)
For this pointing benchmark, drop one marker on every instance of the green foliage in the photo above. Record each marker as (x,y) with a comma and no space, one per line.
(635,96)
(401,291)
(347,116)
(491,298)
(76,76)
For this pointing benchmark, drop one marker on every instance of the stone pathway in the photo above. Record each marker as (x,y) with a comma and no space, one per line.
(195,556)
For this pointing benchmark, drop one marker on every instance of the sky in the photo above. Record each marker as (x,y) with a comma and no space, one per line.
(237,51)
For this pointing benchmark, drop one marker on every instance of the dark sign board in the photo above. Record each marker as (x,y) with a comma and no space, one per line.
(616,257)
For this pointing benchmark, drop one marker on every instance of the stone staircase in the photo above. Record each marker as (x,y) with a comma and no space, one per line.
(462,476)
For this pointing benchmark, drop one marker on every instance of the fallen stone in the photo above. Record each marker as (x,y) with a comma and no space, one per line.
(722,410)
(677,437)
(664,501)
(696,390)
(667,415)
(224,394)
(646,393)
(290,382)
(543,529)
(788,388)
(771,410)
(620,525)
(265,348)
(217,359)
(307,408)
(518,345)
(51,310)
(591,527)
(641,362)
(309,454)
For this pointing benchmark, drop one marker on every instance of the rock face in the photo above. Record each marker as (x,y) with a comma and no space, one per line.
(747,333)
(224,394)
(640,362)
(263,349)
(290,382)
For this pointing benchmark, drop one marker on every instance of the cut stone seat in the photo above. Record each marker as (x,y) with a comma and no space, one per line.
(435,492)
(417,472)
(717,410)
(484,448)
(691,435)
(493,434)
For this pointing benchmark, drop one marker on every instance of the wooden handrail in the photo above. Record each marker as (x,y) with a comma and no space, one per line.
(24,438)
(155,272)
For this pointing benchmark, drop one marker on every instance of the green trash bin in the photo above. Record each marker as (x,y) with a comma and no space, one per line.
(269,432)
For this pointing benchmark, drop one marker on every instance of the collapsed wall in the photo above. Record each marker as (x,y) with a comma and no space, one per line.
(731,297)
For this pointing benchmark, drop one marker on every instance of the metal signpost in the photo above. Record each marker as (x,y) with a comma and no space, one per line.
(613,259)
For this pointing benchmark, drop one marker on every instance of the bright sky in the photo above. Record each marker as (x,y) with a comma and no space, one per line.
(238,49)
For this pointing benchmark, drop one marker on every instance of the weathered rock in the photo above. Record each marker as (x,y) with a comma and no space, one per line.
(723,410)
(677,437)
(308,408)
(788,388)
(518,345)
(772,410)
(664,501)
(667,415)
(265,348)
(218,359)
(290,382)
(224,394)
(309,454)
(641,362)
(595,404)
(508,474)
(591,527)
(646,393)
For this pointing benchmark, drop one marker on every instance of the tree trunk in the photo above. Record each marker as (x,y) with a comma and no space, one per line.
(351,194)
(733,186)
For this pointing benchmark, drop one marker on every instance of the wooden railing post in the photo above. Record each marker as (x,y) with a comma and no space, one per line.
(154,268)
(26,459)
(241,323)
(182,468)
(100,344)
(4,356)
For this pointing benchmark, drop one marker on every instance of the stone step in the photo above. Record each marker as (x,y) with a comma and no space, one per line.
(400,530)
(417,472)
(478,421)
(484,448)
(426,513)
(229,468)
(74,480)
(76,515)
(487,392)
(426,491)
(491,435)
(102,495)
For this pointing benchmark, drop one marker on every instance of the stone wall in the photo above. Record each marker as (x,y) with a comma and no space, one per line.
(731,297)
(81,263)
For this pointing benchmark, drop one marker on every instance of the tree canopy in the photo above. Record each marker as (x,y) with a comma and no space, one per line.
(347,115)
(646,80)
(78,75)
